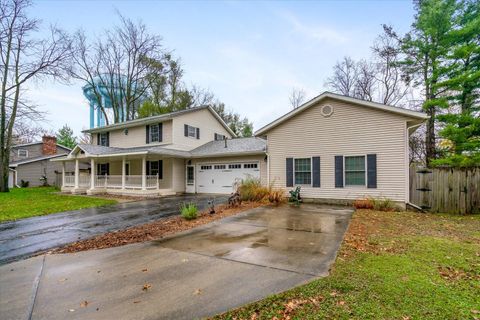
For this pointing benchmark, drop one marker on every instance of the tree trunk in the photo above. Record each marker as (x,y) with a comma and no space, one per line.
(430,136)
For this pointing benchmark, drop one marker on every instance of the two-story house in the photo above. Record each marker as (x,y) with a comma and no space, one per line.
(336,148)
(30,162)
(185,151)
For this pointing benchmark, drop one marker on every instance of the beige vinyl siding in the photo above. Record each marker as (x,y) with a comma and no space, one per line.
(136,136)
(350,130)
(239,159)
(203,119)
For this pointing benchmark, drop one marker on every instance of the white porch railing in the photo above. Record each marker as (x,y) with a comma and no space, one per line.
(83,181)
(69,181)
(131,181)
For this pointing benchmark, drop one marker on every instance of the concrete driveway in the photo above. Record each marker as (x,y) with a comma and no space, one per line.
(194,274)
(23,238)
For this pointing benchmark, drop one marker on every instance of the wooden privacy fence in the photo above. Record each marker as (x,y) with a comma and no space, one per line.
(446,190)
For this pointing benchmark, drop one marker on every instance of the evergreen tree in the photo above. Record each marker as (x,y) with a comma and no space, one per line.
(66,138)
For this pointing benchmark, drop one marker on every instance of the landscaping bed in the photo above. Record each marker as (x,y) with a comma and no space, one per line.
(153,230)
(392,265)
(22,203)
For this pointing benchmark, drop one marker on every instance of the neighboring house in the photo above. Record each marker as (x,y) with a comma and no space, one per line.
(30,162)
(340,148)
(335,147)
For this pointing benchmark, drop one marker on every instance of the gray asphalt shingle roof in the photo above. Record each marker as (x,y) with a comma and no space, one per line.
(213,148)
(233,146)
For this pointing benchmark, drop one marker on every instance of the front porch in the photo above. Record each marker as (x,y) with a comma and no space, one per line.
(129,175)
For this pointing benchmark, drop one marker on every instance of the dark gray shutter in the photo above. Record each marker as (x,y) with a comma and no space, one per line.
(371,170)
(160,132)
(160,169)
(108,139)
(108,168)
(98,138)
(289,172)
(185,130)
(316,172)
(338,171)
(98,169)
(147,137)
(215,137)
(148,168)
(198,133)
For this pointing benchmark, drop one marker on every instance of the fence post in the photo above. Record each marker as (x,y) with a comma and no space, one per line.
(158,185)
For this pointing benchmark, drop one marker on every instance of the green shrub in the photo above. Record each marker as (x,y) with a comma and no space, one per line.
(251,189)
(189,211)
(384,204)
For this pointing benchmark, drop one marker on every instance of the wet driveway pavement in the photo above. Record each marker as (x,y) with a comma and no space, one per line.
(194,274)
(23,238)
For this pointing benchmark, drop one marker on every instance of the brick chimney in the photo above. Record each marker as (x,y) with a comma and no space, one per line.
(49,145)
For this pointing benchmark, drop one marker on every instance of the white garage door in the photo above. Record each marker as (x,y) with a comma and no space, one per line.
(221,177)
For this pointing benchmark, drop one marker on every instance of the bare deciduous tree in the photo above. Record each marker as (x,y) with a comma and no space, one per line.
(297,97)
(24,58)
(344,77)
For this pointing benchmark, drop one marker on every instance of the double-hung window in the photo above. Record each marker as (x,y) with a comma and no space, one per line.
(192,132)
(154,133)
(219,137)
(355,171)
(103,139)
(303,171)
(154,169)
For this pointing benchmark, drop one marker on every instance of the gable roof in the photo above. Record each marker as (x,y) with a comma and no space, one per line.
(162,117)
(38,142)
(415,115)
(30,160)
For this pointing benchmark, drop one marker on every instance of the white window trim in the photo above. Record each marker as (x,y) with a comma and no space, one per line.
(311,172)
(345,175)
(26,153)
(103,134)
(194,130)
(150,133)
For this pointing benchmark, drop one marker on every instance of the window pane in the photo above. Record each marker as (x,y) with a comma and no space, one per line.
(192,131)
(154,133)
(355,163)
(355,178)
(303,174)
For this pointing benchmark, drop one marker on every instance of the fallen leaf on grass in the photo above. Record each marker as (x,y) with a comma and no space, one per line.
(341,303)
(333,294)
(146,286)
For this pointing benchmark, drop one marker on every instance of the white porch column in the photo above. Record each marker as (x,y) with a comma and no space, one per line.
(92,173)
(63,173)
(124,163)
(77,173)
(144,173)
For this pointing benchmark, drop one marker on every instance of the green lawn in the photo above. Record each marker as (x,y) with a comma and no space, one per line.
(29,202)
(391,266)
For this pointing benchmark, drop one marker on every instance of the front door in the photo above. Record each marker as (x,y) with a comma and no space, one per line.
(190,183)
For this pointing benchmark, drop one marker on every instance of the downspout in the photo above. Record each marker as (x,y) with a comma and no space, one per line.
(407,160)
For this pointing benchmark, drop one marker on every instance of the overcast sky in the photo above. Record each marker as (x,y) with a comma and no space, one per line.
(250,54)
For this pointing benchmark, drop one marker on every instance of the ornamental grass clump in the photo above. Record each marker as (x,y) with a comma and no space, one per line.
(189,211)
(251,189)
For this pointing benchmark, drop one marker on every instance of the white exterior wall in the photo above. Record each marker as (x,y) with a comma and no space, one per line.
(203,119)
(350,130)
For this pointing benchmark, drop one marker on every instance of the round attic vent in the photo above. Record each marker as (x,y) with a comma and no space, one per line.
(327,110)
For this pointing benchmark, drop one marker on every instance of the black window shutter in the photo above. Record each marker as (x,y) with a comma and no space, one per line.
(147,137)
(160,169)
(98,138)
(198,133)
(338,171)
(148,168)
(98,169)
(108,169)
(289,172)
(215,137)
(316,172)
(371,170)
(108,139)
(160,132)
(185,130)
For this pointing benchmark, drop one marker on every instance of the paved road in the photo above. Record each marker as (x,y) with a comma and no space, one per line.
(191,275)
(23,238)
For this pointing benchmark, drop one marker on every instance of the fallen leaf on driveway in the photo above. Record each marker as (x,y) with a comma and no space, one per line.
(146,286)
(136,301)
(71,310)
(198,291)
(184,260)
(84,303)
(63,280)
(144,270)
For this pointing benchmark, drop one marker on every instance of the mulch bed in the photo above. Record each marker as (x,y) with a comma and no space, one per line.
(153,230)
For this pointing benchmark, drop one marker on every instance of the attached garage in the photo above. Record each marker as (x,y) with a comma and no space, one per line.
(221,177)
